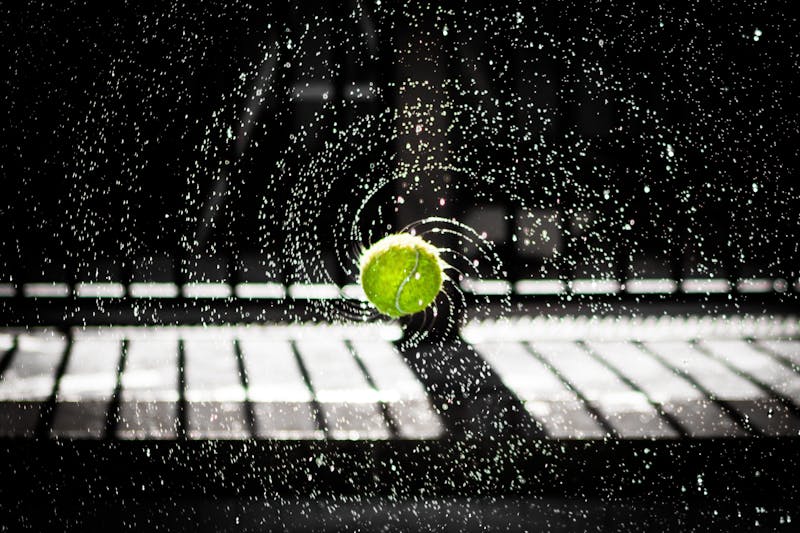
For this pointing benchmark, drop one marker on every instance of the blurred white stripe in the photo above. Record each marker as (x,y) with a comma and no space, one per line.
(660,327)
(207,290)
(594,286)
(354,291)
(706,285)
(755,285)
(314,291)
(260,290)
(486,286)
(153,290)
(100,290)
(7,290)
(540,286)
(651,286)
(45,290)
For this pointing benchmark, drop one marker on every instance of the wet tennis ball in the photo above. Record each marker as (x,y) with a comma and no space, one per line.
(401,274)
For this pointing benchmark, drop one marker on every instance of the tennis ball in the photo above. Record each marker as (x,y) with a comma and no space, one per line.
(401,274)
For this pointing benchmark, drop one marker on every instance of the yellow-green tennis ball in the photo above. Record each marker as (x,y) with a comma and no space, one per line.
(401,274)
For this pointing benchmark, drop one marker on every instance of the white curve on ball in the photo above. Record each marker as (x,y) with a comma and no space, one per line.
(404,283)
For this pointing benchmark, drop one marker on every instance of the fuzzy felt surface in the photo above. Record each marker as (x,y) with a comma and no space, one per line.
(401,274)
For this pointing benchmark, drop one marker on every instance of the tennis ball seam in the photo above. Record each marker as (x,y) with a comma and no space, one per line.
(403,295)
(405,282)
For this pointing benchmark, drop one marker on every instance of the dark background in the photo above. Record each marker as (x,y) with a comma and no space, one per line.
(123,119)
(168,141)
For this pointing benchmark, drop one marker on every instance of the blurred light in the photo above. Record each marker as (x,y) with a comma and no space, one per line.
(260,290)
(594,286)
(485,287)
(6,341)
(354,291)
(153,290)
(100,290)
(539,286)
(780,285)
(706,285)
(45,290)
(651,286)
(207,290)
(755,285)
(314,291)
(627,328)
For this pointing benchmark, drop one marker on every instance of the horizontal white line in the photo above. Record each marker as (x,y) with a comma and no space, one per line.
(354,291)
(41,339)
(207,290)
(100,290)
(45,290)
(539,286)
(486,286)
(6,341)
(153,290)
(755,285)
(83,386)
(314,291)
(132,394)
(33,390)
(651,286)
(224,394)
(632,328)
(594,286)
(278,395)
(260,290)
(705,285)
(7,290)
(366,396)
(378,331)
(348,396)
